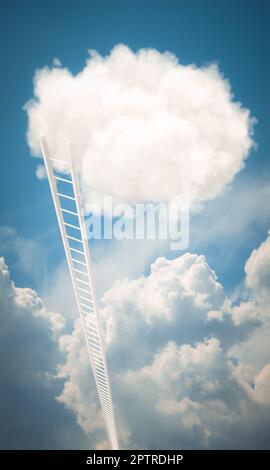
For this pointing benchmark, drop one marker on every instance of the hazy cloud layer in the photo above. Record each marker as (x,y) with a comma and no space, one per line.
(142,125)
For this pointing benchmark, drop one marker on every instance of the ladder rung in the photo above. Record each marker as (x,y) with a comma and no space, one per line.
(106,410)
(100,371)
(59,161)
(74,238)
(83,290)
(102,380)
(88,320)
(107,400)
(106,397)
(80,262)
(98,349)
(92,339)
(66,196)
(106,394)
(99,364)
(69,212)
(83,282)
(58,178)
(93,322)
(98,361)
(92,307)
(87,292)
(108,413)
(72,226)
(99,368)
(81,272)
(104,389)
(95,363)
(96,371)
(89,314)
(76,251)
(87,306)
(104,386)
(102,376)
(84,298)
(91,332)
(106,405)
(97,353)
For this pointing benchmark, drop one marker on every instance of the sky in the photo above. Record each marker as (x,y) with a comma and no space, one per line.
(199,313)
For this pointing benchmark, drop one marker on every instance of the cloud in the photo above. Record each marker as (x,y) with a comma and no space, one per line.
(173,301)
(79,392)
(29,353)
(143,126)
(195,370)
(258,272)
(253,354)
(41,172)
(26,254)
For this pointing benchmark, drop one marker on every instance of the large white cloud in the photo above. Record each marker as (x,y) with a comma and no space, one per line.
(143,126)
(194,368)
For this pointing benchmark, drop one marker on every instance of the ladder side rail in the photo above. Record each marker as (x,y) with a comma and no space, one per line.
(110,422)
(79,207)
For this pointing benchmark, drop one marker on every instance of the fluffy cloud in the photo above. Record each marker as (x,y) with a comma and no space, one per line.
(79,384)
(29,353)
(253,355)
(179,294)
(194,364)
(194,369)
(258,272)
(143,126)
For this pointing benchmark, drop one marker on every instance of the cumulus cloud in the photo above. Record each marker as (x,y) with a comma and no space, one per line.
(143,126)
(29,353)
(195,370)
(253,354)
(258,272)
(79,383)
(179,294)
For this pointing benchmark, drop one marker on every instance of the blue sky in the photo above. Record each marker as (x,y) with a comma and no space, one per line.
(33,33)
(234,35)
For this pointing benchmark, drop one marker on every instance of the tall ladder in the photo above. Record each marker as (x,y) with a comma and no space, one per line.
(74,236)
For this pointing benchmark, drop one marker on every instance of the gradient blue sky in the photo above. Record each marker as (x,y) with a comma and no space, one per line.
(235,34)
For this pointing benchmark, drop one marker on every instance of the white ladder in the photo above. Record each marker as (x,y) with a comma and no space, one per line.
(77,251)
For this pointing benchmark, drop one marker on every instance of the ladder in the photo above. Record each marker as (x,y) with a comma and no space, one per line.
(65,190)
